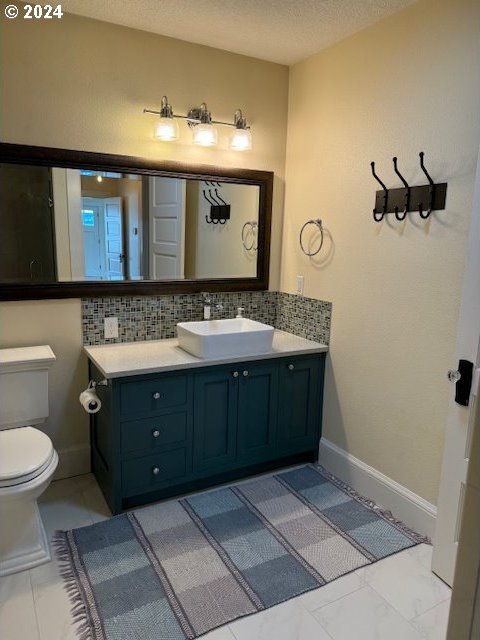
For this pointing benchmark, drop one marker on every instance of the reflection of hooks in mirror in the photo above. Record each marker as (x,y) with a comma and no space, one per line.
(250,228)
(219,209)
(212,204)
(222,201)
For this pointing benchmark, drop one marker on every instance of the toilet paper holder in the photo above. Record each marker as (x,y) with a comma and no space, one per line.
(93,384)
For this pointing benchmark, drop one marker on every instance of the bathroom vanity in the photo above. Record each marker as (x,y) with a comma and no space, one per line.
(171,422)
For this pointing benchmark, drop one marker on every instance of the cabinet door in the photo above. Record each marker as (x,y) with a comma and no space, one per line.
(257,412)
(300,403)
(215,420)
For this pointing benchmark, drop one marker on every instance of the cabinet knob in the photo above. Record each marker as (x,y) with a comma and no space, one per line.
(245,373)
(155,433)
(156,471)
(291,367)
(156,395)
(235,374)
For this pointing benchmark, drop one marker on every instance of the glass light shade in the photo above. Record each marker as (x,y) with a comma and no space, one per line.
(166,129)
(241,140)
(205,135)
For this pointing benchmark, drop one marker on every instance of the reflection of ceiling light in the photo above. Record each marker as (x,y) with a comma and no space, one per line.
(166,128)
(204,132)
(99,178)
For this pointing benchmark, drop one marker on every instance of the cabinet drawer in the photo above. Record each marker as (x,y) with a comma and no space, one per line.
(152,433)
(150,472)
(150,396)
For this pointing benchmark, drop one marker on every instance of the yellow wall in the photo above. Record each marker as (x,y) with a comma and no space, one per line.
(406,84)
(82,84)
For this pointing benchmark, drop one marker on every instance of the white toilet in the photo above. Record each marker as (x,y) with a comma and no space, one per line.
(27,457)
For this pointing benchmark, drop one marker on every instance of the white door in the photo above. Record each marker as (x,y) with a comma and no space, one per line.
(113,238)
(92,222)
(460,419)
(166,227)
(103,238)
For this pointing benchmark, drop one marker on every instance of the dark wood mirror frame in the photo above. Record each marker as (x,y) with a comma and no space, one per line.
(66,158)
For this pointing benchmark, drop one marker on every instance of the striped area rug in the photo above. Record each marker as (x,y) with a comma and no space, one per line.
(178,569)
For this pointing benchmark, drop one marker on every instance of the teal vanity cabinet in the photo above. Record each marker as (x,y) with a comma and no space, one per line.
(167,433)
(215,419)
(300,403)
(235,416)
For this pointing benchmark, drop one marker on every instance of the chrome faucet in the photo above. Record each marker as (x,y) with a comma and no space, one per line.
(207,305)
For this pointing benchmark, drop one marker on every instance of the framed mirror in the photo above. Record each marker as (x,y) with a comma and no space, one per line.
(76,224)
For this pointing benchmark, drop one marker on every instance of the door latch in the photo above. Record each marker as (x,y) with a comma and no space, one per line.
(462,378)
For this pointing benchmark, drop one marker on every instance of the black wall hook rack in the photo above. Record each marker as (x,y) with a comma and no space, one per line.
(424,199)
(219,209)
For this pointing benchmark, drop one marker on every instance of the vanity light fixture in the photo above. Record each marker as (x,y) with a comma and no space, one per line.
(241,138)
(166,128)
(204,133)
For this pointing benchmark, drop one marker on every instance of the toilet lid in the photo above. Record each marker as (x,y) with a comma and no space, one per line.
(24,453)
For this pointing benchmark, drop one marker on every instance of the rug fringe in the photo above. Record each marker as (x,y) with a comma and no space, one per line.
(370,504)
(83,629)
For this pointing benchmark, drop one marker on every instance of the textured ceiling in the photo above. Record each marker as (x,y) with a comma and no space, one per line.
(283,31)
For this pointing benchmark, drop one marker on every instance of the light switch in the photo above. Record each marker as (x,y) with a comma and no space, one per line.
(110,328)
(300,285)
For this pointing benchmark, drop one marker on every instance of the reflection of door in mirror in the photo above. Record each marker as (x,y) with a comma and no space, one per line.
(103,238)
(166,224)
(26,226)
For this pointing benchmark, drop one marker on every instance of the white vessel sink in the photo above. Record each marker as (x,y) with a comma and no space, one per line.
(220,338)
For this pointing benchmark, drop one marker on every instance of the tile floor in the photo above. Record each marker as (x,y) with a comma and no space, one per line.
(395,599)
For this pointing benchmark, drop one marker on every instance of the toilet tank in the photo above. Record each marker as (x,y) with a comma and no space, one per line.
(24,385)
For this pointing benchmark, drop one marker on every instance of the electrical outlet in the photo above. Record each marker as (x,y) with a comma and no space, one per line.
(300,285)
(110,328)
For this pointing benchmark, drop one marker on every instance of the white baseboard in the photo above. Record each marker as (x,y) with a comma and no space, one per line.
(407,506)
(73,461)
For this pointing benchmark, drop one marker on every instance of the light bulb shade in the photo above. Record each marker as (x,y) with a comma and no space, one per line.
(166,129)
(205,135)
(241,140)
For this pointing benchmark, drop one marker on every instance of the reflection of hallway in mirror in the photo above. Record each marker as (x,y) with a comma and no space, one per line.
(89,224)
(103,238)
(127,188)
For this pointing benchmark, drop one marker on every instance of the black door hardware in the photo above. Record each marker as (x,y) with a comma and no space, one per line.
(462,378)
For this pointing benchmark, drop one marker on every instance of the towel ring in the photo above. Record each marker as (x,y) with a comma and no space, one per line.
(318,223)
(253,226)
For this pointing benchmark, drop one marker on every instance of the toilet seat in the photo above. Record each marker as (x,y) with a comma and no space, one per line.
(25,452)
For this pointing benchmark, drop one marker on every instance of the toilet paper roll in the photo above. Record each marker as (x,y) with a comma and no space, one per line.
(90,401)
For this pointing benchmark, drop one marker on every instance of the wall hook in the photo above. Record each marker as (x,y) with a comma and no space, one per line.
(385,196)
(402,216)
(423,198)
(431,191)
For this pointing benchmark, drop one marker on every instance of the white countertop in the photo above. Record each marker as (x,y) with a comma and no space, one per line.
(156,356)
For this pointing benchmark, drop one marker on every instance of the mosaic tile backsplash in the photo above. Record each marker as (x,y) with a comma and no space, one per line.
(155,317)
